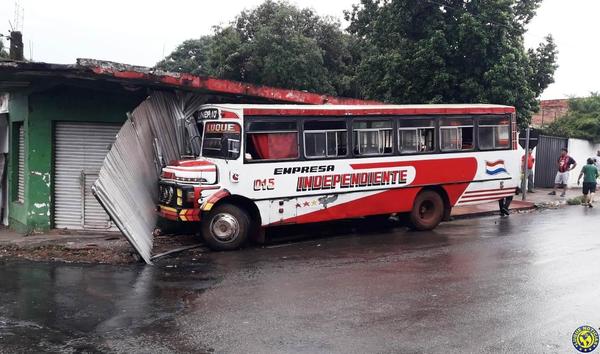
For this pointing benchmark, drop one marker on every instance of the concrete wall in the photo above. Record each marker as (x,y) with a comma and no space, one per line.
(580,150)
(39,112)
(18,114)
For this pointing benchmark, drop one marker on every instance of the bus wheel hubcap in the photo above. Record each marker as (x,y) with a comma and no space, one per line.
(224,227)
(426,210)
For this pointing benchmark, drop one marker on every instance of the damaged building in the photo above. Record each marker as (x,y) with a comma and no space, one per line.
(60,121)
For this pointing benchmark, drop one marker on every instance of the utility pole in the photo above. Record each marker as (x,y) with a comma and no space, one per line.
(525,167)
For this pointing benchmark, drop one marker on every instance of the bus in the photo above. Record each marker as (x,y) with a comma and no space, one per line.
(266,165)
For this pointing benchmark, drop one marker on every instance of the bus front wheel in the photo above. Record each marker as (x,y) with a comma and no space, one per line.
(225,227)
(428,210)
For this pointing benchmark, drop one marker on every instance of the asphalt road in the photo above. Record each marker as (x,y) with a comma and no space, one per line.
(521,284)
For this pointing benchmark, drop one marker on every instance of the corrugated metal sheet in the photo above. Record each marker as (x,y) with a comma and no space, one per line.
(546,155)
(80,149)
(21,165)
(127,183)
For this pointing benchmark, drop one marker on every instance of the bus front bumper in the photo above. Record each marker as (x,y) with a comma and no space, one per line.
(179,214)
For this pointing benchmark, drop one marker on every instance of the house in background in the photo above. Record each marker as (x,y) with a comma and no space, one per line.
(550,110)
(62,120)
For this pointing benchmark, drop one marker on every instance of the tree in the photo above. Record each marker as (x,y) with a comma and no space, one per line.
(189,57)
(451,51)
(581,121)
(275,44)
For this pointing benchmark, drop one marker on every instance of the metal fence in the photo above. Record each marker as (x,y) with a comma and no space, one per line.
(546,156)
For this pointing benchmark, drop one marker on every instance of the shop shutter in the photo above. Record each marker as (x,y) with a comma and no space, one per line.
(21,165)
(80,149)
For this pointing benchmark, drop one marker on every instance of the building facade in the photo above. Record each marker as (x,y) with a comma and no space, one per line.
(550,110)
(58,139)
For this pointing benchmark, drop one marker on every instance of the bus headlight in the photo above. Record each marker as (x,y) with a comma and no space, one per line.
(166,194)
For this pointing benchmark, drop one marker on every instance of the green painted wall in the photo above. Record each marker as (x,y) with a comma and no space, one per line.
(39,112)
(18,108)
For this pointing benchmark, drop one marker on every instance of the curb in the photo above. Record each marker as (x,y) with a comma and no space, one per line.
(492,212)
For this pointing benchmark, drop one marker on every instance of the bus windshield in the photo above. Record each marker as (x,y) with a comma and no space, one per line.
(221,140)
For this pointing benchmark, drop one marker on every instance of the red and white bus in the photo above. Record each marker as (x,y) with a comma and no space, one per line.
(265,165)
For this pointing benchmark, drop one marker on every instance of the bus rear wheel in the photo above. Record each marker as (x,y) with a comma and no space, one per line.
(427,211)
(225,227)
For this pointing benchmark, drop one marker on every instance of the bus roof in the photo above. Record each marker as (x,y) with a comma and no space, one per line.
(347,110)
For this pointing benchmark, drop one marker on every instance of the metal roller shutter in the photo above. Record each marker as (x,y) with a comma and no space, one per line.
(21,165)
(80,149)
(546,155)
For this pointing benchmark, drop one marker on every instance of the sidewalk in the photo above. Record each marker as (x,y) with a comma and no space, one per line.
(539,199)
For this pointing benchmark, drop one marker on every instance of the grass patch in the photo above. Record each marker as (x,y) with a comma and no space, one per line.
(575,201)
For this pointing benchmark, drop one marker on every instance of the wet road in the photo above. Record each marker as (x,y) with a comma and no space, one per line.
(521,284)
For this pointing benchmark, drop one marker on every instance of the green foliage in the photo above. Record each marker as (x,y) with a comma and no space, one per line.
(582,120)
(576,200)
(400,51)
(275,44)
(451,51)
(189,57)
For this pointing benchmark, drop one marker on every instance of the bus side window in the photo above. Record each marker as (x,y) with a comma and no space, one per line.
(272,141)
(325,139)
(456,134)
(372,137)
(416,135)
(494,133)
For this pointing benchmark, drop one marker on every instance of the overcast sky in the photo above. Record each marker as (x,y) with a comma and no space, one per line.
(142,32)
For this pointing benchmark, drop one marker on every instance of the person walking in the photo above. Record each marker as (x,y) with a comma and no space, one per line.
(565,165)
(529,177)
(589,173)
(597,160)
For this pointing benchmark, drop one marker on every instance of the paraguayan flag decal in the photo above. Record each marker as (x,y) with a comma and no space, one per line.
(495,167)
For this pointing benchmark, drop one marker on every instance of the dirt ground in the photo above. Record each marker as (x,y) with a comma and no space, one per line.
(62,246)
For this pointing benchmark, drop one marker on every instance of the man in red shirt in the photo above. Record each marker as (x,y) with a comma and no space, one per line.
(565,164)
(530,162)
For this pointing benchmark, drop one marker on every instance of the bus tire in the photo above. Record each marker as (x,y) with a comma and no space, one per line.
(427,211)
(226,227)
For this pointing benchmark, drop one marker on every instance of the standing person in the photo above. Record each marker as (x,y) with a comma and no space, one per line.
(565,164)
(530,162)
(504,205)
(590,174)
(597,160)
